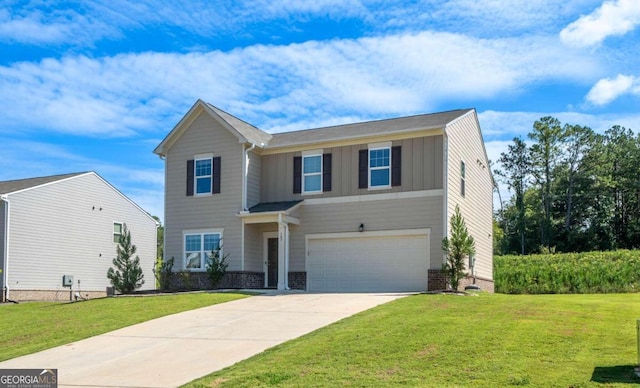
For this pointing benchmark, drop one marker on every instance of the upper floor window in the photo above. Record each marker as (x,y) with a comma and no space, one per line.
(462,178)
(199,248)
(380,167)
(117,231)
(203,176)
(312,174)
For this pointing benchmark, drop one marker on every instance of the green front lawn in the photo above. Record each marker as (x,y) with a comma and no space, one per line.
(30,327)
(448,340)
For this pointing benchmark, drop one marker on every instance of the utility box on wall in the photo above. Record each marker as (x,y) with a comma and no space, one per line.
(67,280)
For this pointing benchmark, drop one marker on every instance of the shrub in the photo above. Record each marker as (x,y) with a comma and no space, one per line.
(456,249)
(162,271)
(216,267)
(568,273)
(128,276)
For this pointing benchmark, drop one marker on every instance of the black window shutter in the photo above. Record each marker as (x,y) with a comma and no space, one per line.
(363,169)
(215,179)
(297,174)
(190,178)
(326,172)
(396,166)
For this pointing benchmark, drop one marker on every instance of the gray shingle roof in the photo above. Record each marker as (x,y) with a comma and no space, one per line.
(368,128)
(247,130)
(273,206)
(7,187)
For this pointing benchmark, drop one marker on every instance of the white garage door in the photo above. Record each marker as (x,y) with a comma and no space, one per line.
(368,263)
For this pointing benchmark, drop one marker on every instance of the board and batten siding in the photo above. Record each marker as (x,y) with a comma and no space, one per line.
(465,144)
(253,179)
(66,228)
(421,170)
(204,135)
(384,214)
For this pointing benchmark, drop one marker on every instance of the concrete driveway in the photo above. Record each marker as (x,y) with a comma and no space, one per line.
(173,350)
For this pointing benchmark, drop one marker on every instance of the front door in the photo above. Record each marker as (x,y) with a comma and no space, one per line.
(272,262)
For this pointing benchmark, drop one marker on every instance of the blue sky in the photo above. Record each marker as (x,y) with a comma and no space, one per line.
(97,84)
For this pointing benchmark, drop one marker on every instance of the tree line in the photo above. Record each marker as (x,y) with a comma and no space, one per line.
(573,190)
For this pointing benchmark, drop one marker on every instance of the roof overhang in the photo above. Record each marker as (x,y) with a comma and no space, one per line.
(193,113)
(281,214)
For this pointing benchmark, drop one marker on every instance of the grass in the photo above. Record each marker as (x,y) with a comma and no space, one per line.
(30,327)
(453,341)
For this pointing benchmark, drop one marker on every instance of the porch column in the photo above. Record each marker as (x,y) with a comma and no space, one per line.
(283,254)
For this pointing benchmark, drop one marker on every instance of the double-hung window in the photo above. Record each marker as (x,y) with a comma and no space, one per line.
(312,174)
(199,248)
(203,175)
(380,167)
(117,231)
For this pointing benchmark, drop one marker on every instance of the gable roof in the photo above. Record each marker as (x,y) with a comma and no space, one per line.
(245,132)
(367,128)
(8,187)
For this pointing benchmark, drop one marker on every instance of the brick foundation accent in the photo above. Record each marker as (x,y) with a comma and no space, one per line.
(438,281)
(53,295)
(298,280)
(200,280)
(484,284)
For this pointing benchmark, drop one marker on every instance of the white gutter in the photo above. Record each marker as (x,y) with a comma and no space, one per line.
(5,269)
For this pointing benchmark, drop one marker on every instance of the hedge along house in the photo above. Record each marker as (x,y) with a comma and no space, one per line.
(358,207)
(65,228)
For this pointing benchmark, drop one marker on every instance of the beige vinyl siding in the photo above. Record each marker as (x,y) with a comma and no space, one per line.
(465,144)
(411,213)
(66,228)
(204,135)
(421,170)
(253,240)
(253,179)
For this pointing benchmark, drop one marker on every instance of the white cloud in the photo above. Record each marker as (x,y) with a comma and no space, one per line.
(398,74)
(612,18)
(607,90)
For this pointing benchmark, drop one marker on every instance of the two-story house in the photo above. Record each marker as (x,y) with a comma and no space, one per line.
(357,207)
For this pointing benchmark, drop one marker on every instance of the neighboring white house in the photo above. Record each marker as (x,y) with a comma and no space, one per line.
(65,227)
(357,207)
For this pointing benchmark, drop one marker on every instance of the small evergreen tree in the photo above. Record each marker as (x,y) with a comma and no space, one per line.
(128,276)
(216,266)
(162,270)
(456,249)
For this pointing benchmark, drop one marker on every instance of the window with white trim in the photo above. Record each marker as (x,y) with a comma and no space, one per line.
(198,249)
(203,176)
(117,231)
(380,167)
(312,174)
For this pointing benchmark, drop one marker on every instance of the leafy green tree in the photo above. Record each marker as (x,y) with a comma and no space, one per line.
(128,276)
(515,173)
(460,246)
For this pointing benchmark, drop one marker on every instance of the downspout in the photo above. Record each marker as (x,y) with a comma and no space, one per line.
(5,268)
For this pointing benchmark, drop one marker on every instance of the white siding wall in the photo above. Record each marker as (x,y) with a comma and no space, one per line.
(2,239)
(204,135)
(465,144)
(59,229)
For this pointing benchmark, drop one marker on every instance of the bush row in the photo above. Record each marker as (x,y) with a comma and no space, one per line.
(567,273)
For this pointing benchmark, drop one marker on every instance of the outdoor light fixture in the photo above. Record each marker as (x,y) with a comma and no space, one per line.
(361,228)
